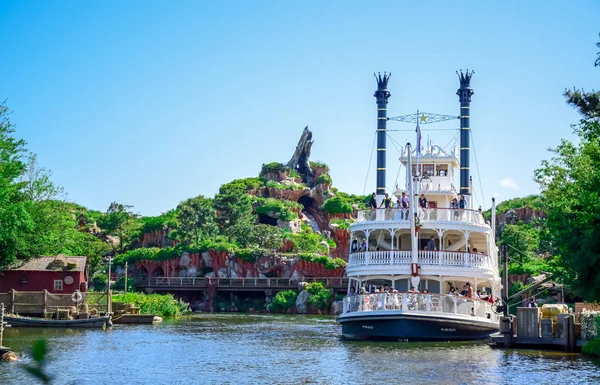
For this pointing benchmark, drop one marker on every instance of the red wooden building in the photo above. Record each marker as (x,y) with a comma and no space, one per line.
(60,274)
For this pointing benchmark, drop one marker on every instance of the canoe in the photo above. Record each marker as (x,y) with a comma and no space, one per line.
(90,323)
(144,319)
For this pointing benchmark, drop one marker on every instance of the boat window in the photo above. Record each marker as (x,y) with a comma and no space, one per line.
(442,170)
(58,284)
(428,169)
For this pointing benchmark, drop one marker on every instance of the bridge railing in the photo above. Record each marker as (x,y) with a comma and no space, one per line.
(201,282)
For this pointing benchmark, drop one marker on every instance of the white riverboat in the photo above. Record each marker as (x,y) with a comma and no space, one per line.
(404,262)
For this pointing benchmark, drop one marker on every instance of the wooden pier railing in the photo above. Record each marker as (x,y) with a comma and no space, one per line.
(242,284)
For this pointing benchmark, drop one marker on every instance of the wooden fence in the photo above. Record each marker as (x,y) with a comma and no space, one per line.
(42,302)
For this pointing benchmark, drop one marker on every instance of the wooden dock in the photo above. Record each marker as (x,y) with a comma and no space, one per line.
(529,330)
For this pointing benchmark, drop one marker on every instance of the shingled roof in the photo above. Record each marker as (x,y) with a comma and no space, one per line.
(57,263)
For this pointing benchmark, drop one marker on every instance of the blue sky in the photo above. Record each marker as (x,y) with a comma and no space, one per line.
(149,103)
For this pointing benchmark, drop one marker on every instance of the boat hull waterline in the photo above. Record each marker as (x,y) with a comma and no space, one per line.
(90,323)
(411,327)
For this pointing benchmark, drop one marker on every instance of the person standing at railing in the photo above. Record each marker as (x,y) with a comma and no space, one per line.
(462,205)
(423,204)
(354,246)
(404,202)
(431,244)
(454,208)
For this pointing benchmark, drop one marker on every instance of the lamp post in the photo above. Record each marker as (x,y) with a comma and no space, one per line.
(108,258)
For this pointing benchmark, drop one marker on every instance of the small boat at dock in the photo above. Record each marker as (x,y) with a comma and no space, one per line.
(137,319)
(90,323)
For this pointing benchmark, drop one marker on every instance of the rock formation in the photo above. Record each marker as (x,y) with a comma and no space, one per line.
(300,159)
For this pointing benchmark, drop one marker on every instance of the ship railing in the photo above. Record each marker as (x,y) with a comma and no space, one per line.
(427,214)
(425,257)
(420,303)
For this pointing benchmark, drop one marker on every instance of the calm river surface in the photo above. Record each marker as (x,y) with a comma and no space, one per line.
(272,349)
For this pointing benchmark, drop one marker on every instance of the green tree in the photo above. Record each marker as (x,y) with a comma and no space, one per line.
(120,221)
(14,219)
(197,219)
(234,212)
(523,239)
(570,184)
(266,236)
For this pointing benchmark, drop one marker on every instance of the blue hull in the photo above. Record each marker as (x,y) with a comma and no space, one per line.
(412,327)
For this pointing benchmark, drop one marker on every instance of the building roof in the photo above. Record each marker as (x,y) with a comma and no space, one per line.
(57,263)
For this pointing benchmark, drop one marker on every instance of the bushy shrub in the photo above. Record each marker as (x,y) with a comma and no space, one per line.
(99,280)
(272,167)
(168,219)
(319,295)
(283,300)
(324,179)
(314,164)
(120,284)
(163,305)
(343,224)
(337,205)
(282,208)
(281,186)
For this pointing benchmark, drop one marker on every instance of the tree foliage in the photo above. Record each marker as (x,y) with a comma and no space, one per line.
(570,184)
(120,221)
(14,219)
(197,219)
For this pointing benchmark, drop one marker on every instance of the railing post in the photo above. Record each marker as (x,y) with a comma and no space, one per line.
(427,303)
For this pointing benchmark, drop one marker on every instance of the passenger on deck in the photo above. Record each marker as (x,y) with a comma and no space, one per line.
(352,291)
(431,244)
(470,293)
(386,202)
(422,201)
(464,291)
(404,202)
(363,246)
(373,201)
(354,247)
(454,207)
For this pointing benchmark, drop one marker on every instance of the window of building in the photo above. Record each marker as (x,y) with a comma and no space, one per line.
(58,284)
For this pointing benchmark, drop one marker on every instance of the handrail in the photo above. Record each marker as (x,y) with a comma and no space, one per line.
(420,303)
(424,214)
(425,257)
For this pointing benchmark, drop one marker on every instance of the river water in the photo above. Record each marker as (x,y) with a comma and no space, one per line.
(277,349)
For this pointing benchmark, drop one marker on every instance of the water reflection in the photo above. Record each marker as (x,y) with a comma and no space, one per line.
(247,348)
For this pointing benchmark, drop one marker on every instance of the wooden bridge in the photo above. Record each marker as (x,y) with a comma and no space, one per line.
(234,284)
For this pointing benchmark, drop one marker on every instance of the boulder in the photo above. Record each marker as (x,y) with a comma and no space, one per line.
(302,302)
(293,226)
(336,307)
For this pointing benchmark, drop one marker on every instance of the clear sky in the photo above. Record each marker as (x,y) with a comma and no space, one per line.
(149,103)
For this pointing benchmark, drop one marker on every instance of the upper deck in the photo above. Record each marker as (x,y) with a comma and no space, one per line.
(462,216)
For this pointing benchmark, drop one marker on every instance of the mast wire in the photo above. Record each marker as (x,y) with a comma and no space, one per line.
(370,160)
(400,166)
(478,174)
